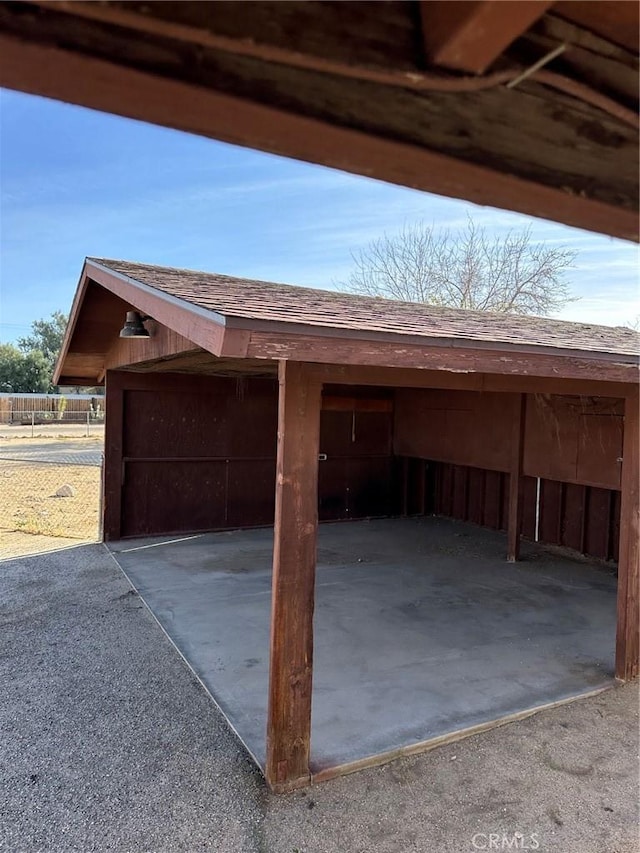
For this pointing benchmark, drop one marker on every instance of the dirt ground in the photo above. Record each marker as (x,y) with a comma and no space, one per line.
(11,432)
(46,504)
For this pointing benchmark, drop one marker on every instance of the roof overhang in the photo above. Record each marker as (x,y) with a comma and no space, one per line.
(91,344)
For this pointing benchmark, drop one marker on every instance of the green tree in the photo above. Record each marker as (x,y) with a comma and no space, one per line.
(23,372)
(465,269)
(46,337)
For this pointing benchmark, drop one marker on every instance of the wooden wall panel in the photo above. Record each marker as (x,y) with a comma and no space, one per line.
(199,453)
(574,439)
(570,439)
(583,518)
(460,427)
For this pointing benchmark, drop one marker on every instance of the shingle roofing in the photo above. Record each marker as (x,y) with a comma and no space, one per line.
(283,303)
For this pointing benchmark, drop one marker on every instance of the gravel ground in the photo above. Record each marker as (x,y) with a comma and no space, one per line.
(108,743)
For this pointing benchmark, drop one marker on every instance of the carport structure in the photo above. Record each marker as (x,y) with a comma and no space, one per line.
(382,409)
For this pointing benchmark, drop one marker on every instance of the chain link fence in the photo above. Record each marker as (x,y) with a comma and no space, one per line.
(49,500)
(34,422)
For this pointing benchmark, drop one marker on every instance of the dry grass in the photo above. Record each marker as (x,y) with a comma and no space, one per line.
(28,501)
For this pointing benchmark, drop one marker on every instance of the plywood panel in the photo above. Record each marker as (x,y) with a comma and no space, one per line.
(600,449)
(573,516)
(492,507)
(461,427)
(173,498)
(250,498)
(597,528)
(551,503)
(574,439)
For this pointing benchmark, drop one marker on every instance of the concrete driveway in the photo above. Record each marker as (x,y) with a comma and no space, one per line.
(108,743)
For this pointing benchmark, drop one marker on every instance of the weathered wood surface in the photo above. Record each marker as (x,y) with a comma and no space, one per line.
(470,36)
(113,433)
(360,103)
(518,421)
(294,563)
(627,640)
(380,353)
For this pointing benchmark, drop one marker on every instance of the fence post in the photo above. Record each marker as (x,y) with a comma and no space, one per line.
(101,502)
(33,421)
(87,423)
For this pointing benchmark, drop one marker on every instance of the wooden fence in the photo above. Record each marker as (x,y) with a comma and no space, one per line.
(27,408)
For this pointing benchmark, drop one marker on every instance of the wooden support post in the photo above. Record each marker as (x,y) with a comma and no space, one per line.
(293,584)
(628,616)
(113,437)
(515,478)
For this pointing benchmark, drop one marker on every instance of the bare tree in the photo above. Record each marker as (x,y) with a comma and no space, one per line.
(466,269)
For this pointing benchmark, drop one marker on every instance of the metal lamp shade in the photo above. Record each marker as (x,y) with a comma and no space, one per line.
(133,326)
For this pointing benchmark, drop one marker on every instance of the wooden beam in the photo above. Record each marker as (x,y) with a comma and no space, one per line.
(440,355)
(113,438)
(469,35)
(618,22)
(294,564)
(402,377)
(515,478)
(628,615)
(82,78)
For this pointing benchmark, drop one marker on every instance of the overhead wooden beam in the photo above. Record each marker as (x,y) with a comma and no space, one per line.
(293,584)
(469,35)
(628,608)
(515,478)
(417,378)
(82,78)
(399,377)
(440,355)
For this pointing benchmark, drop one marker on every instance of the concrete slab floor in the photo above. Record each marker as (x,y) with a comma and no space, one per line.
(421,628)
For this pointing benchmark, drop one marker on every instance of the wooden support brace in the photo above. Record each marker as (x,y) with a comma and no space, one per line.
(469,35)
(515,478)
(628,615)
(294,564)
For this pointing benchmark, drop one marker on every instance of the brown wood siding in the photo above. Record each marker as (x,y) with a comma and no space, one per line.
(460,427)
(570,439)
(574,439)
(199,459)
(355,478)
(583,518)
(199,453)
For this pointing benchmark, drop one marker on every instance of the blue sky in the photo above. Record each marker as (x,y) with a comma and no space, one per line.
(76,182)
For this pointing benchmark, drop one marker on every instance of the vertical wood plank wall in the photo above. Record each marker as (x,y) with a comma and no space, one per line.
(571,453)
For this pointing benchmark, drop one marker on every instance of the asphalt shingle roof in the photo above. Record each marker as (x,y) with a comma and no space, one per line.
(284,303)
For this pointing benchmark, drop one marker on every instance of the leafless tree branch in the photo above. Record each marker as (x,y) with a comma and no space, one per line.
(468,269)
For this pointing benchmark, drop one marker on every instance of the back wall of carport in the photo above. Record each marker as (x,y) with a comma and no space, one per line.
(192,453)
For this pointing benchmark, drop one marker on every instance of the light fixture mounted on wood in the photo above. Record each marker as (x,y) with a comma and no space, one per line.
(134,326)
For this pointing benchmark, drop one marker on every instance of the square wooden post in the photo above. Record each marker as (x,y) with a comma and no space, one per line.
(628,615)
(113,437)
(293,583)
(515,478)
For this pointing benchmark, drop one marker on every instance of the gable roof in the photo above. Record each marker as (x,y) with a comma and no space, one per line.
(249,299)
(259,323)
